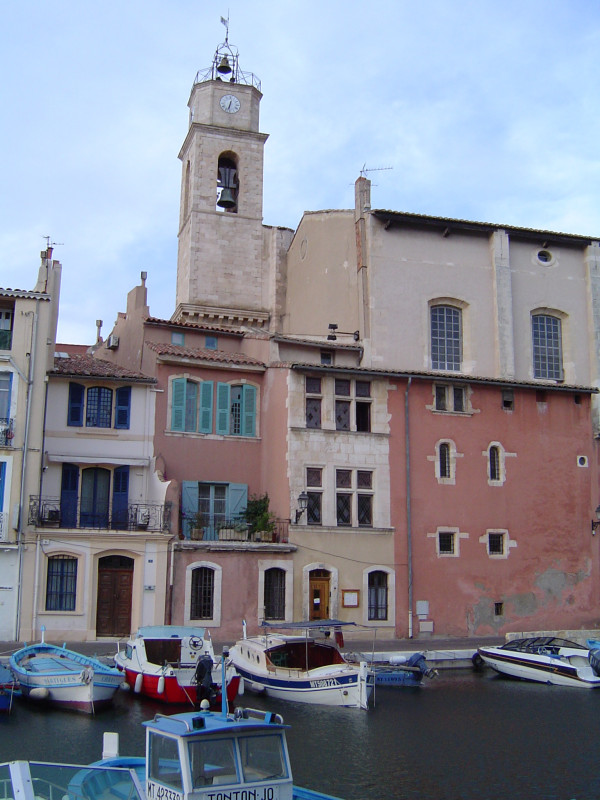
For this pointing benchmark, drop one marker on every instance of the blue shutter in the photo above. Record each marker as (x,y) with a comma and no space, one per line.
(123,407)
(76,398)
(249,411)
(68,495)
(2,483)
(189,505)
(206,407)
(178,404)
(237,500)
(120,499)
(223,408)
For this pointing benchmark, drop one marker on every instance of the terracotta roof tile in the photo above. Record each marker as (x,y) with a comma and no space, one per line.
(200,354)
(87,366)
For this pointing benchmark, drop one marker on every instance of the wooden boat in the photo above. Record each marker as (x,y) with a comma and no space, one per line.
(63,677)
(545,659)
(198,755)
(175,664)
(305,668)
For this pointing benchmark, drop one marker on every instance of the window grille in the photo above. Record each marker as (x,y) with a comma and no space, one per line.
(445,460)
(547,347)
(446,542)
(203,589)
(61,583)
(274,593)
(378,595)
(446,338)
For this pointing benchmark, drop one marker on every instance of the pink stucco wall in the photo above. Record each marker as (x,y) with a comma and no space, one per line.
(545,504)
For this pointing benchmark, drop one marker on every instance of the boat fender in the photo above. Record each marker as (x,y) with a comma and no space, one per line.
(138,683)
(477,661)
(124,686)
(160,688)
(87,675)
(39,693)
(397,660)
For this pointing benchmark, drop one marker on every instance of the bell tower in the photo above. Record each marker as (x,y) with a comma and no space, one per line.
(222,276)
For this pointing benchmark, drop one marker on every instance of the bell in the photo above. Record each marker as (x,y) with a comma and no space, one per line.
(224,67)
(226,199)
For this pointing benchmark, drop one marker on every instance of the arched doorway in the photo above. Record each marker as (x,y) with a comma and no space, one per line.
(115,584)
(318,588)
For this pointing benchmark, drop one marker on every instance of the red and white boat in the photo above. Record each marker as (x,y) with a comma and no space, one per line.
(175,664)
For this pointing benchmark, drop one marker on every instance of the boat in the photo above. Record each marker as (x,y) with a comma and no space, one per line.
(196,755)
(63,677)
(396,669)
(545,659)
(305,668)
(8,687)
(175,664)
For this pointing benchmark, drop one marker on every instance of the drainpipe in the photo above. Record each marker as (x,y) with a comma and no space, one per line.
(36,582)
(408,512)
(24,464)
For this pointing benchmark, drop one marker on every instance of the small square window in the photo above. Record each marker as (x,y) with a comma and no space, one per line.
(342,387)
(496,544)
(326,357)
(313,385)
(210,342)
(508,399)
(314,476)
(343,478)
(498,609)
(363,389)
(178,338)
(446,542)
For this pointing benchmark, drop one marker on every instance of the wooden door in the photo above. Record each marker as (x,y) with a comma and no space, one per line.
(115,584)
(319,597)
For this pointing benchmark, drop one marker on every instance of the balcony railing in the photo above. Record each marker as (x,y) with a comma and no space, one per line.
(235,530)
(51,512)
(7,431)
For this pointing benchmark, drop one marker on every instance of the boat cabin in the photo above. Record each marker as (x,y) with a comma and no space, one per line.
(209,756)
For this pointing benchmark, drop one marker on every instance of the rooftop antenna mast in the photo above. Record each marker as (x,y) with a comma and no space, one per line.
(364,170)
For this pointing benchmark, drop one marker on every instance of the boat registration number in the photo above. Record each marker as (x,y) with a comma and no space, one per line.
(323,683)
(155,791)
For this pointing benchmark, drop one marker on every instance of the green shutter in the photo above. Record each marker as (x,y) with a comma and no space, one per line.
(223,408)
(189,505)
(237,500)
(249,411)
(206,407)
(178,404)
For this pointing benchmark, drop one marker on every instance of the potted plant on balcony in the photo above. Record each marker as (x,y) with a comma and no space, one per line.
(261,521)
(197,525)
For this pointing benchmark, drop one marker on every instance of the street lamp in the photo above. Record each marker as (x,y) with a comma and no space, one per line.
(303,505)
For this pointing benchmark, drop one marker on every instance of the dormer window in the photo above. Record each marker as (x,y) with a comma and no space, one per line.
(6,325)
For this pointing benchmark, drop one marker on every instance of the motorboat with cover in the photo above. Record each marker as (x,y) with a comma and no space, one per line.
(545,659)
(175,664)
(396,669)
(63,677)
(197,755)
(304,667)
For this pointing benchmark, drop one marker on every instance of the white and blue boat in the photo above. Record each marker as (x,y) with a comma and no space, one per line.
(63,677)
(306,668)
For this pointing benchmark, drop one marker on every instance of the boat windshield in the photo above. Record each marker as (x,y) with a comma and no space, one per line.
(263,757)
(212,761)
(533,644)
(164,765)
(45,781)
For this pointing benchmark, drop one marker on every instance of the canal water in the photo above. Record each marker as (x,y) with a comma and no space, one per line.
(462,736)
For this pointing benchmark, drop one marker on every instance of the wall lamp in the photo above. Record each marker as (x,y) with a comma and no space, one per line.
(333,330)
(596,522)
(303,505)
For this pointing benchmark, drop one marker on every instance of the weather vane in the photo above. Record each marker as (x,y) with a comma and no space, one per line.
(226,23)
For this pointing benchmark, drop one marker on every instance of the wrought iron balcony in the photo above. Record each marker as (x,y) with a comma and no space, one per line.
(6,431)
(233,530)
(51,512)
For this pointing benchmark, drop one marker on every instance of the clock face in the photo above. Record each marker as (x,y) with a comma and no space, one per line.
(230,103)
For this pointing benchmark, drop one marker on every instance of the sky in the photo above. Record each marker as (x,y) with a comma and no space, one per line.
(476,110)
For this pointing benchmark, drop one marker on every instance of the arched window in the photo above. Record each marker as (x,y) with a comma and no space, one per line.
(203,593)
(444,460)
(378,595)
(547,347)
(446,338)
(274,599)
(494,462)
(227,184)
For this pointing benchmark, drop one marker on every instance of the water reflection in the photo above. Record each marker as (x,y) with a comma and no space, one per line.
(464,736)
